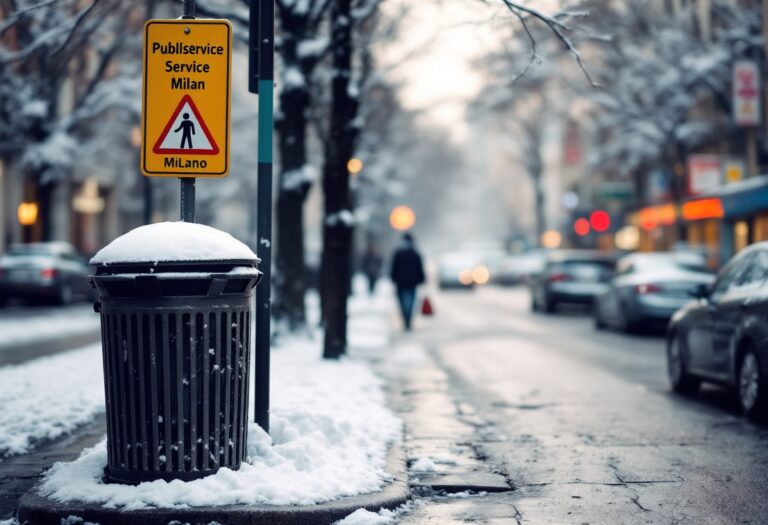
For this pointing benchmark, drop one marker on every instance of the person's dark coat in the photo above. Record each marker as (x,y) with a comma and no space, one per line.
(407,269)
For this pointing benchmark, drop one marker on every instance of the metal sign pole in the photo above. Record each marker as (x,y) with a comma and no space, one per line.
(188,183)
(261,81)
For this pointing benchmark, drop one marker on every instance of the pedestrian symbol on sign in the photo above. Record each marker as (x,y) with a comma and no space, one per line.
(187,129)
(184,124)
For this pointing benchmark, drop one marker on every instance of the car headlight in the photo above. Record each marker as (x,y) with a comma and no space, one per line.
(481,275)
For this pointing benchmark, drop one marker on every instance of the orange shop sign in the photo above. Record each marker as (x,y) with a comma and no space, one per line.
(703,209)
(655,216)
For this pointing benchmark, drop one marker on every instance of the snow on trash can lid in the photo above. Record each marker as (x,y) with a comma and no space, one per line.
(173,241)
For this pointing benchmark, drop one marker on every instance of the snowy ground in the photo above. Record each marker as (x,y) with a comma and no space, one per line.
(29,325)
(330,432)
(49,397)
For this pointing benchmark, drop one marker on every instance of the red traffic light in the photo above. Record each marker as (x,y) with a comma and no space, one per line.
(581,227)
(600,221)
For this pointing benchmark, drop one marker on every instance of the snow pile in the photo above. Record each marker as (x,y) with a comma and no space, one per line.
(51,324)
(383,517)
(330,435)
(366,517)
(424,464)
(49,397)
(173,241)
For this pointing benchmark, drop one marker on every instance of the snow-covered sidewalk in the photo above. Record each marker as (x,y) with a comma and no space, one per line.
(49,397)
(331,429)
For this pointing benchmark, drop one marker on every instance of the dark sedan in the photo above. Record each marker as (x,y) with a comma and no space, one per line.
(648,288)
(722,337)
(46,271)
(570,277)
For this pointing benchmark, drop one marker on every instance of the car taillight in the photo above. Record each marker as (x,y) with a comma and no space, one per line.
(48,273)
(559,277)
(643,289)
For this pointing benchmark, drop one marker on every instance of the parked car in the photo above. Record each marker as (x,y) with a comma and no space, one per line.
(648,288)
(722,336)
(50,271)
(571,277)
(520,268)
(461,270)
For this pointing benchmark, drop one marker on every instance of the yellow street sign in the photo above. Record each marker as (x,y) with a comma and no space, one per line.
(186,98)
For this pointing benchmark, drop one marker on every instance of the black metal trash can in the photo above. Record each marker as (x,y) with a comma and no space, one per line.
(175,339)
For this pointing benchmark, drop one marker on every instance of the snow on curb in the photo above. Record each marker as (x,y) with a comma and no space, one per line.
(49,397)
(366,517)
(331,431)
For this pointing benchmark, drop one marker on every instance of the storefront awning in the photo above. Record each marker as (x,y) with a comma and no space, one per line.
(737,199)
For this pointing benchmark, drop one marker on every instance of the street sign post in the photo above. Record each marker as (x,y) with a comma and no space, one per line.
(261,81)
(186,98)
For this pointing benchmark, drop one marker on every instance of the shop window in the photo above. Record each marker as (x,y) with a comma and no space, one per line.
(740,236)
(760,228)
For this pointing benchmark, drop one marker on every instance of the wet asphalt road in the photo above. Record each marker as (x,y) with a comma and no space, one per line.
(583,425)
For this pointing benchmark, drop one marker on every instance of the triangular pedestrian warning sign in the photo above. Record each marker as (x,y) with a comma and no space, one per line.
(186,132)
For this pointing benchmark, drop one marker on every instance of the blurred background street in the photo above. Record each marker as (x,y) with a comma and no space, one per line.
(560,210)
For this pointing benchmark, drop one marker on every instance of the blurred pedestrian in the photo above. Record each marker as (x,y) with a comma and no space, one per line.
(407,273)
(371,265)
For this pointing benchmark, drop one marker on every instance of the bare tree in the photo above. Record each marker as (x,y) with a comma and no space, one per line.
(49,50)
(667,86)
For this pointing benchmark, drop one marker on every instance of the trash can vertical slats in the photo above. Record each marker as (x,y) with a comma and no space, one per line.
(177,385)
(165,422)
(154,408)
(142,445)
(205,379)
(235,388)
(128,351)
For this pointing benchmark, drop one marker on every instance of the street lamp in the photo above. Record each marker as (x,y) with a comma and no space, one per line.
(354,166)
(402,218)
(27,213)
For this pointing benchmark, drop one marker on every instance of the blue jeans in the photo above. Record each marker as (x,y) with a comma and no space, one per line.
(407,298)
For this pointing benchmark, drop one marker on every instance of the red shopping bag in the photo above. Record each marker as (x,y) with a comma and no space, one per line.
(426,307)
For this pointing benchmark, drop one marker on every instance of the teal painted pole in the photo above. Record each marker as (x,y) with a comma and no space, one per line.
(261,81)
(188,183)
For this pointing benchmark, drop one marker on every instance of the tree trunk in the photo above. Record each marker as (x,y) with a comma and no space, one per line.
(337,229)
(45,207)
(540,207)
(291,281)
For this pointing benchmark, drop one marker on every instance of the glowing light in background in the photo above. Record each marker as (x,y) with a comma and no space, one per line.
(581,227)
(402,218)
(600,221)
(570,200)
(481,275)
(551,239)
(354,166)
(627,238)
(27,213)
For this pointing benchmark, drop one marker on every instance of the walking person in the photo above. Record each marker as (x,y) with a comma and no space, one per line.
(407,273)
(371,266)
